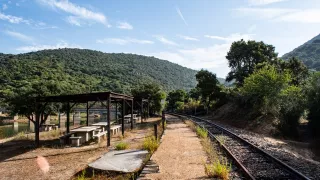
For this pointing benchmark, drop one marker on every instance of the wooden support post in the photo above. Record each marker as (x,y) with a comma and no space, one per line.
(142,111)
(36,126)
(155,131)
(87,114)
(123,113)
(163,120)
(68,117)
(108,118)
(131,114)
(59,119)
(147,111)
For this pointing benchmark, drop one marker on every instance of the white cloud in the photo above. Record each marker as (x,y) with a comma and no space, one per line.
(188,38)
(263,2)
(124,25)
(62,44)
(282,15)
(232,37)
(252,28)
(13,19)
(4,7)
(123,41)
(172,57)
(19,36)
(73,20)
(80,12)
(17,4)
(303,16)
(264,13)
(165,41)
(212,57)
(181,16)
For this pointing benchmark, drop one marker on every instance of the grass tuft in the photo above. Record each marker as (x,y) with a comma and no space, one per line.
(201,132)
(122,146)
(218,170)
(150,144)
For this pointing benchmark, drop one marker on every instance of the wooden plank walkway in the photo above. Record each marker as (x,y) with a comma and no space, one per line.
(180,155)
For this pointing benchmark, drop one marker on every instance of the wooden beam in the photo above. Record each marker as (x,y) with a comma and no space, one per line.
(87,114)
(109,117)
(68,117)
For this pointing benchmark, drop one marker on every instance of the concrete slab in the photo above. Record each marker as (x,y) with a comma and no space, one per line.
(121,161)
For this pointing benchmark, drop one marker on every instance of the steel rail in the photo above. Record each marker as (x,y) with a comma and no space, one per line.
(286,166)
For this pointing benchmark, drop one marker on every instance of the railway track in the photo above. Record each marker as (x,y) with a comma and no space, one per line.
(255,162)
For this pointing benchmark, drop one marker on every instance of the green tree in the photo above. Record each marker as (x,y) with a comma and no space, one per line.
(314,104)
(298,70)
(244,56)
(194,93)
(153,92)
(208,86)
(271,92)
(174,97)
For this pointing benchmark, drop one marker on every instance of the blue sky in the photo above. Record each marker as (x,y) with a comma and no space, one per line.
(193,33)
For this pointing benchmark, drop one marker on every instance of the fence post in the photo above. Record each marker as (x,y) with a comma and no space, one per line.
(155,131)
(163,119)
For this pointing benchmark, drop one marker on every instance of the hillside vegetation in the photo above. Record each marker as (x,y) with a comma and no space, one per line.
(97,71)
(308,53)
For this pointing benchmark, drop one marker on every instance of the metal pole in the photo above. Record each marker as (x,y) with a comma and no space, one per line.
(109,117)
(122,120)
(132,114)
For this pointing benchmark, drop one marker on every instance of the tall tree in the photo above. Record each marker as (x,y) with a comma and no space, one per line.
(153,92)
(314,103)
(176,96)
(298,70)
(208,86)
(244,56)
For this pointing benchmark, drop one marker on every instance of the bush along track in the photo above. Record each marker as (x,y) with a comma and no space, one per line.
(254,162)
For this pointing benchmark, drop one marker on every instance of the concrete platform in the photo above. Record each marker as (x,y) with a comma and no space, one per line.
(122,161)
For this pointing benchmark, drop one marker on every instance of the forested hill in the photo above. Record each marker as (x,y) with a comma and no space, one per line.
(102,71)
(308,53)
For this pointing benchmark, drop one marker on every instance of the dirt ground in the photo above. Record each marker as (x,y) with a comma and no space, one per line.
(180,155)
(18,158)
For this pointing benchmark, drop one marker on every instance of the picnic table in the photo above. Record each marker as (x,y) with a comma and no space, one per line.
(127,118)
(102,125)
(85,132)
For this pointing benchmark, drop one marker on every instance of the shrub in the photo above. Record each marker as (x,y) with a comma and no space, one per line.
(122,145)
(218,170)
(150,144)
(201,132)
(314,104)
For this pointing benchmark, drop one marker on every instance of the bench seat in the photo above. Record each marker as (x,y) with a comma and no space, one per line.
(75,141)
(115,129)
(64,138)
(98,136)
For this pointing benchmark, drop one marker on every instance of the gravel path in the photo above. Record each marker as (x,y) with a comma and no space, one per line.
(180,155)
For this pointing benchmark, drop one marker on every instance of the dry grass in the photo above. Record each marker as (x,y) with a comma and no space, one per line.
(201,132)
(150,144)
(218,169)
